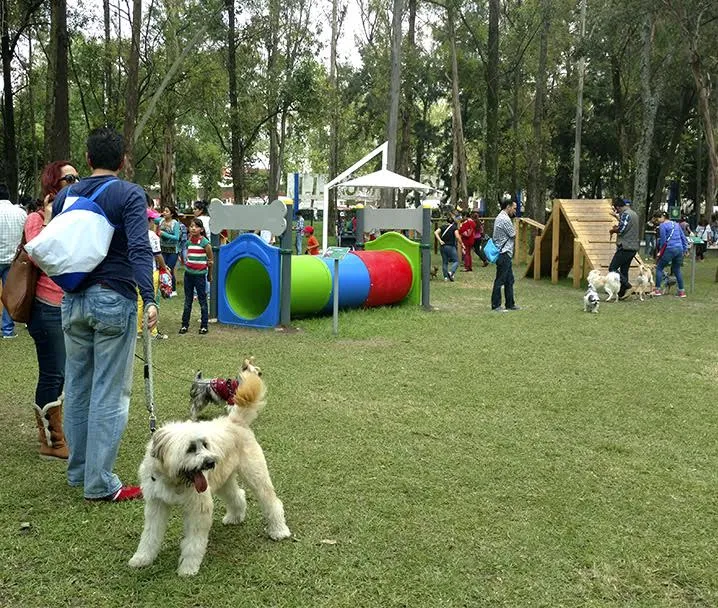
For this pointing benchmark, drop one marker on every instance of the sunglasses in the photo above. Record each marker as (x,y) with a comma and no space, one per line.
(70,178)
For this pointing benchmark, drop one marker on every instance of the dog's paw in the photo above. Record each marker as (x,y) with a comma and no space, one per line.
(232,519)
(139,561)
(279,532)
(188,567)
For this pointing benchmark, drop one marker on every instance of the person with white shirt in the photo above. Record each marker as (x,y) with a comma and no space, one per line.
(12,222)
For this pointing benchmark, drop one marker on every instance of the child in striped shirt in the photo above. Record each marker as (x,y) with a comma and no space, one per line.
(198,271)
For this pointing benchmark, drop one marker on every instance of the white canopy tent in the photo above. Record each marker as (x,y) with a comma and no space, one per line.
(385,179)
(379,179)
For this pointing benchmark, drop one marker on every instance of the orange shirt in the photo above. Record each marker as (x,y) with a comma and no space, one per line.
(313,245)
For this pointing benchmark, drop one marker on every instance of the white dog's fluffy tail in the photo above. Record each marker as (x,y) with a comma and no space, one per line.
(248,399)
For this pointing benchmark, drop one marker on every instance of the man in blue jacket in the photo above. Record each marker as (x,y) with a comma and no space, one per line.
(100,319)
(672,247)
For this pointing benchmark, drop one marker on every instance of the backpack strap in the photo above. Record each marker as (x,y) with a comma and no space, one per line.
(100,190)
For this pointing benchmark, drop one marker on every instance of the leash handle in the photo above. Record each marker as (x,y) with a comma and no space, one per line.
(149,381)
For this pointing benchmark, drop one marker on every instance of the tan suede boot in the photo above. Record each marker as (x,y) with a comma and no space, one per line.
(52,443)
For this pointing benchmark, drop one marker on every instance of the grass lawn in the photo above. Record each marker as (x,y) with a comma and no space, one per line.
(545,457)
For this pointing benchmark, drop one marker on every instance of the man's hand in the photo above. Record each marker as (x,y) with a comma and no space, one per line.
(152,313)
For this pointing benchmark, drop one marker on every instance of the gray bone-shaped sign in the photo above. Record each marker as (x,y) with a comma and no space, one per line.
(248,217)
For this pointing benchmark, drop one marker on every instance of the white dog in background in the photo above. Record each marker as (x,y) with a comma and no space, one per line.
(610,283)
(186,462)
(591,300)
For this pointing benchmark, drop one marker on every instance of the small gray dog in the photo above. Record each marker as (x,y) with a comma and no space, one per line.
(217,390)
(591,300)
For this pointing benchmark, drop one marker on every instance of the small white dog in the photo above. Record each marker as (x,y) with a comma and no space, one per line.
(591,300)
(644,282)
(186,462)
(610,283)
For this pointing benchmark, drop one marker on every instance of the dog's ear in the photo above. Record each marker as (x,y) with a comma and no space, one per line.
(160,440)
(199,375)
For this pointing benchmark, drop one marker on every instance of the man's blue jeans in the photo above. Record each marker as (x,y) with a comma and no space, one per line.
(8,325)
(99,326)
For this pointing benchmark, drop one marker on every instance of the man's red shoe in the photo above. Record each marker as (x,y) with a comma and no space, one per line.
(123,494)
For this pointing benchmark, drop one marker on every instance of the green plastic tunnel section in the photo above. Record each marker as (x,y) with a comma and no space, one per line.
(311,285)
(249,303)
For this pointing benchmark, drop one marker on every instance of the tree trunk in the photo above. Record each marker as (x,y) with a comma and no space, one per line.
(33,131)
(107,71)
(236,159)
(458,165)
(703,87)
(576,181)
(392,125)
(650,95)
(167,164)
(57,130)
(10,147)
(535,204)
(333,117)
(667,157)
(492,108)
(407,110)
(621,134)
(132,93)
(273,98)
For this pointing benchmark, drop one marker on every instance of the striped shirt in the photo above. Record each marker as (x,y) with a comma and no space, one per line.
(196,256)
(12,222)
(504,233)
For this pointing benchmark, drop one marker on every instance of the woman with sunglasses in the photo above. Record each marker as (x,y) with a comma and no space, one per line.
(45,324)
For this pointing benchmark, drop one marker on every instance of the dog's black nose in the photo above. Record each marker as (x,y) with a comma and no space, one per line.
(208,463)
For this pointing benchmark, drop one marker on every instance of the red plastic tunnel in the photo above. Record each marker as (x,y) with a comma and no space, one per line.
(390,276)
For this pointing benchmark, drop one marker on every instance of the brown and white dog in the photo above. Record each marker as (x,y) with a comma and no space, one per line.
(187,462)
(216,390)
(644,284)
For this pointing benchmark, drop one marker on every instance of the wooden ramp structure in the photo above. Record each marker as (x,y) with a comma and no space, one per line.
(575,241)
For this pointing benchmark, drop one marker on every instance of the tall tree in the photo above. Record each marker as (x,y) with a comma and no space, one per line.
(576,183)
(459,188)
(536,205)
(8,42)
(132,92)
(236,158)
(57,117)
(492,107)
(392,126)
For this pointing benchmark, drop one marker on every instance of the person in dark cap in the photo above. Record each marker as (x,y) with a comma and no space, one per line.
(627,243)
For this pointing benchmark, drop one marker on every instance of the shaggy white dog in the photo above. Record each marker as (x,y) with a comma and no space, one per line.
(610,283)
(187,462)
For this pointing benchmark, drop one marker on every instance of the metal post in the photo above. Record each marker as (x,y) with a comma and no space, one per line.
(335,320)
(285,243)
(213,288)
(426,239)
(693,268)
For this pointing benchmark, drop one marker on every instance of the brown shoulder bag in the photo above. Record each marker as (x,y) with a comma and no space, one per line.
(19,289)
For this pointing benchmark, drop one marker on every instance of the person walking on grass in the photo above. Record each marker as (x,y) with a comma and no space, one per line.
(504,238)
(672,248)
(99,319)
(468,232)
(627,243)
(12,221)
(198,271)
(450,242)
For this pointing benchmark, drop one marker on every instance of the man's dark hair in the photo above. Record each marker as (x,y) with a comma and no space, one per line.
(105,149)
(4,192)
(506,202)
